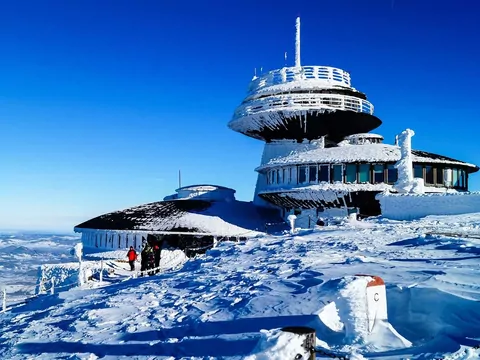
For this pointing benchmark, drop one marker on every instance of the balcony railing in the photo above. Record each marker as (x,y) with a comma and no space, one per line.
(304,102)
(330,75)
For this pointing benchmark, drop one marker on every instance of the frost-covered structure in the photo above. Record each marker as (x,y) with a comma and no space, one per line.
(320,158)
(194,217)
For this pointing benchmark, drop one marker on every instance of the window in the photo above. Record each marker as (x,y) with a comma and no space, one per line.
(392,174)
(428,174)
(378,174)
(351,173)
(439,177)
(323,173)
(463,179)
(448,177)
(364,173)
(289,175)
(455,178)
(418,171)
(284,178)
(302,174)
(278,176)
(274,177)
(312,174)
(337,173)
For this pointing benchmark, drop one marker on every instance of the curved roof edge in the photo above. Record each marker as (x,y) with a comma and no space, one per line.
(191,187)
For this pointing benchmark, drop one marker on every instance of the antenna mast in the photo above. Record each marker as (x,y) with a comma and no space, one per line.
(297,43)
(179,179)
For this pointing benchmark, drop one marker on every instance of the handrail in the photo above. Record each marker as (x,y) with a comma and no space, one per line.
(305,101)
(331,75)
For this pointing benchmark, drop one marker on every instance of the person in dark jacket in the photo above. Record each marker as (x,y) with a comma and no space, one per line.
(132,256)
(156,251)
(147,254)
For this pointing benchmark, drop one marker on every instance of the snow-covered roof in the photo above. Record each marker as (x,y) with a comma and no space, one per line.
(360,153)
(204,187)
(233,218)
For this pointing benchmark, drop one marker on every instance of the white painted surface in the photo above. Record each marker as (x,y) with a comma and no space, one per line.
(415,206)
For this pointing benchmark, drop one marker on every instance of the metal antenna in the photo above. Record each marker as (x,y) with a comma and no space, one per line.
(297,43)
(179,179)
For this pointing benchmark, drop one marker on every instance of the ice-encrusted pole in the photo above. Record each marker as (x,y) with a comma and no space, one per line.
(78,253)
(404,166)
(101,270)
(297,43)
(4,303)
(52,289)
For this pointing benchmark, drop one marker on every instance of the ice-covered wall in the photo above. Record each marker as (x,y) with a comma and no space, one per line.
(415,206)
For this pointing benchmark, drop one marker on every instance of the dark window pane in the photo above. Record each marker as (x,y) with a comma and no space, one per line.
(274,177)
(337,173)
(312,174)
(364,173)
(455,178)
(278,176)
(289,175)
(378,173)
(351,173)
(428,175)
(284,178)
(302,174)
(323,173)
(392,174)
(439,180)
(418,171)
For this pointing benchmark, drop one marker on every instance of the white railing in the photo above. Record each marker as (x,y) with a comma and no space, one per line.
(331,75)
(304,102)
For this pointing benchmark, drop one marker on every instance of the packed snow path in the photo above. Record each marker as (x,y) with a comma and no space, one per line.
(217,305)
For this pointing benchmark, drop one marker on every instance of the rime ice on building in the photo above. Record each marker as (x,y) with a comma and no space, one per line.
(319,156)
(319,160)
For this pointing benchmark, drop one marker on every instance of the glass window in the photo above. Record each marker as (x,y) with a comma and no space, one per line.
(428,174)
(274,177)
(302,174)
(392,174)
(312,174)
(284,178)
(455,178)
(290,175)
(448,177)
(378,173)
(439,177)
(278,176)
(364,173)
(418,171)
(351,173)
(337,173)
(323,173)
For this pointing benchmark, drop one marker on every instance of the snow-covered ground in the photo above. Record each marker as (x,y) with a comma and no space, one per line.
(231,302)
(21,255)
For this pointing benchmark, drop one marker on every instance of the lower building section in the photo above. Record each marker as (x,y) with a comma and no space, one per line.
(324,201)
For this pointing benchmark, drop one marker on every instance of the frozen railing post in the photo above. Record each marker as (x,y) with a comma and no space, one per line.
(101,270)
(291,219)
(78,253)
(52,289)
(4,303)
(309,340)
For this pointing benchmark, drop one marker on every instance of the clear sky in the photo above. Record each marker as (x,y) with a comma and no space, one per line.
(103,101)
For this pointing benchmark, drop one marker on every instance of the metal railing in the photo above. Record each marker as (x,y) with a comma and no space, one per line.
(330,75)
(310,101)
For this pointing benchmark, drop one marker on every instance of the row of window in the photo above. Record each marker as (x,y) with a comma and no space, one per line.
(365,173)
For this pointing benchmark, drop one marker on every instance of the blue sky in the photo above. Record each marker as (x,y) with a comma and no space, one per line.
(102,102)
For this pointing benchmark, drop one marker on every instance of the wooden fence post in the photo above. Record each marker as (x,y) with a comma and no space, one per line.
(309,339)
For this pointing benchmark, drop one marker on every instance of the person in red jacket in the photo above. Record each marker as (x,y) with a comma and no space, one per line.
(132,256)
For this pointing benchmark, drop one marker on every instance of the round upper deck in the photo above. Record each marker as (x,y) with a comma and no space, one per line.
(304,77)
